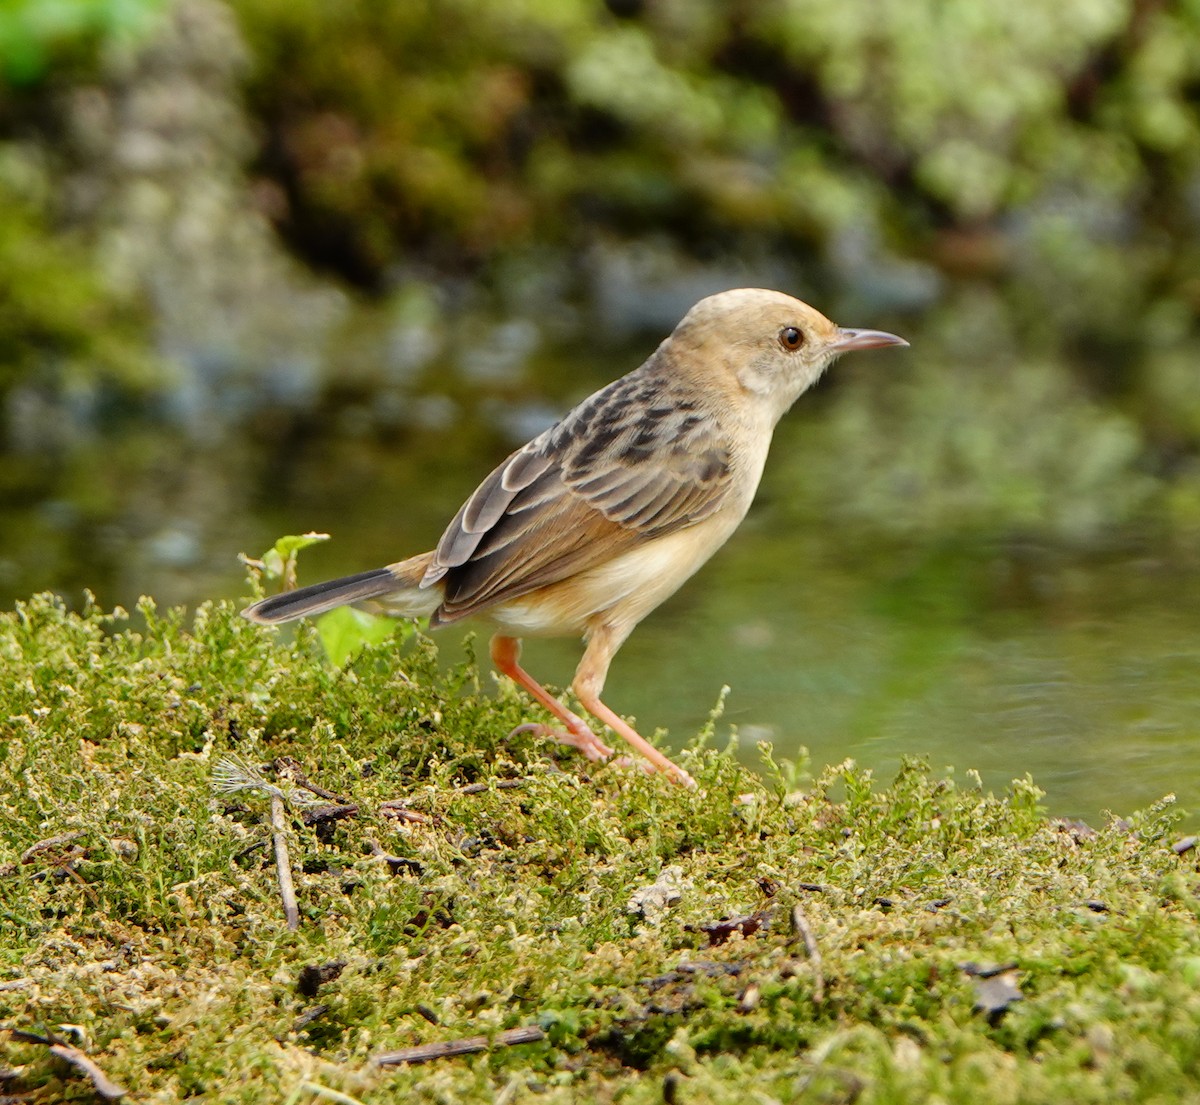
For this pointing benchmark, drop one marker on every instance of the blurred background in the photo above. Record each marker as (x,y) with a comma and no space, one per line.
(269,266)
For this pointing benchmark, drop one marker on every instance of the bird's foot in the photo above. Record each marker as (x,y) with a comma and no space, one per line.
(582,739)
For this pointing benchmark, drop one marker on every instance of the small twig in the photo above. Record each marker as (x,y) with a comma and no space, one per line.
(395,863)
(249,850)
(63,861)
(305,1019)
(329,1094)
(530,1034)
(283,864)
(289,767)
(398,808)
(49,844)
(322,815)
(232,774)
(320,792)
(500,784)
(804,930)
(102,1084)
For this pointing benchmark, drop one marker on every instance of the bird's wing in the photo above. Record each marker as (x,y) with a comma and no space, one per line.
(630,463)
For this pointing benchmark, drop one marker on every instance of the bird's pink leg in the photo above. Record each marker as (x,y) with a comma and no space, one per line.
(505,653)
(603,643)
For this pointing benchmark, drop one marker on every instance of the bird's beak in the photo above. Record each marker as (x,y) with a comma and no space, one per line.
(863,339)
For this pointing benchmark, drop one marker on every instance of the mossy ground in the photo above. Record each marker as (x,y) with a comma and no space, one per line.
(151,936)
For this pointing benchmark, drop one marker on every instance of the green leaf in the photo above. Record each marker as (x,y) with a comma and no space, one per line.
(279,561)
(345,631)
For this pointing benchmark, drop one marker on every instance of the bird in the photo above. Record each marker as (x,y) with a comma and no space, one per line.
(587,528)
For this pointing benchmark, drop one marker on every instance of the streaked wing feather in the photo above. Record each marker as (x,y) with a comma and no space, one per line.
(632,462)
(523,468)
(487,505)
(636,499)
(647,509)
(531,548)
(546,556)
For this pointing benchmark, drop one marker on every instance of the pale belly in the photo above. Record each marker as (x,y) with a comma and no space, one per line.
(619,593)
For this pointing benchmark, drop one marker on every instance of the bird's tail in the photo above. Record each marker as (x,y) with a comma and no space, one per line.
(392,590)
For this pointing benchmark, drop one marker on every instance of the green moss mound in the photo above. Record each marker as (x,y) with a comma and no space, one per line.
(811,942)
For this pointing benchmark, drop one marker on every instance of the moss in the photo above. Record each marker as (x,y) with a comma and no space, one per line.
(148,916)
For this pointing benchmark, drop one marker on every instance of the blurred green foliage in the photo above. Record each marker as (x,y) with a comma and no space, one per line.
(987,431)
(468,126)
(1026,175)
(36,34)
(61,324)
(1043,160)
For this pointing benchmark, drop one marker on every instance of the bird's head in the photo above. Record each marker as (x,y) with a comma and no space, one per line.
(765,346)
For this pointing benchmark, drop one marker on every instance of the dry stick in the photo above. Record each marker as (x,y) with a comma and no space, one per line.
(501,784)
(50,842)
(530,1034)
(289,767)
(101,1083)
(318,1090)
(398,809)
(320,792)
(801,926)
(395,863)
(283,865)
(33,851)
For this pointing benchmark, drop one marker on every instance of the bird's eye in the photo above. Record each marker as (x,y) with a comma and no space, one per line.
(791,338)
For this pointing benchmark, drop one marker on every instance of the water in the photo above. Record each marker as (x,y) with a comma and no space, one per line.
(1088,681)
(1080,670)
(1077,667)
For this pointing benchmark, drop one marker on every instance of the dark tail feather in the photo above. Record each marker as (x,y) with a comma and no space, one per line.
(320,597)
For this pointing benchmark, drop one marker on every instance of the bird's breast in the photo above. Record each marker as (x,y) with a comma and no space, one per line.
(622,590)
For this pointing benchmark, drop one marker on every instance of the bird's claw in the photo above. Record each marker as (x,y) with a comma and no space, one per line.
(583,740)
(586,741)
